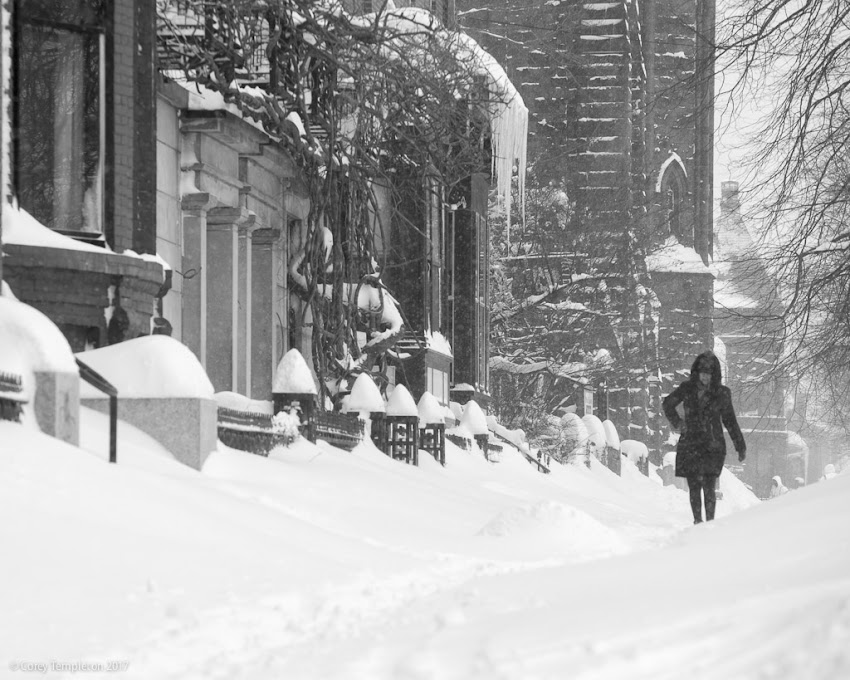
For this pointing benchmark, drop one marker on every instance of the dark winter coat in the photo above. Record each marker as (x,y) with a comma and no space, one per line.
(702,448)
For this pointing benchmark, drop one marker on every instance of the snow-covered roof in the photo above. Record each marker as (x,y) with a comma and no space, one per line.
(293,375)
(153,366)
(673,257)
(401,403)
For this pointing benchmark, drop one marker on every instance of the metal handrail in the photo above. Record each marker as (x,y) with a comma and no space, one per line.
(97,381)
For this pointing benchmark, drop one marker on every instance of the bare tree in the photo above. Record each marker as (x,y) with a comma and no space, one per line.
(790,61)
(390,103)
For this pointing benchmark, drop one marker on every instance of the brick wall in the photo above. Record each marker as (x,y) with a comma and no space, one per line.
(131,128)
(120,125)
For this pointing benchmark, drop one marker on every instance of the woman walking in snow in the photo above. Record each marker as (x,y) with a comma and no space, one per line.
(701,450)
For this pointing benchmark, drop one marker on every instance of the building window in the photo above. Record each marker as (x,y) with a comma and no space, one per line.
(59,112)
(672,191)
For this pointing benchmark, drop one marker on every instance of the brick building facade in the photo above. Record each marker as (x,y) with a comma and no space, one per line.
(82,248)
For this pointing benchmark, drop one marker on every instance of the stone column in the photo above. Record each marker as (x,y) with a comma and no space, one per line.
(223,288)
(195,207)
(264,320)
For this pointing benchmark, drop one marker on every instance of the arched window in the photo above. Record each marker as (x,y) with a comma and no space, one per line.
(671,191)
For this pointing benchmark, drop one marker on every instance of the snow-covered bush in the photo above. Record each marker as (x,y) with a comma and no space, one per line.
(574,439)
(286,426)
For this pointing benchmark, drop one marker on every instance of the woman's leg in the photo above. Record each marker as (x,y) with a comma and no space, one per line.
(709,484)
(695,484)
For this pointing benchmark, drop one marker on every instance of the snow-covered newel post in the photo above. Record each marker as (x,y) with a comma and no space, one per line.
(432,426)
(574,439)
(612,439)
(637,452)
(162,389)
(366,400)
(294,391)
(402,426)
(33,348)
(475,422)
(597,441)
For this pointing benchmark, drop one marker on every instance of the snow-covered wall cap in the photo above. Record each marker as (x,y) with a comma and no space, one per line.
(438,342)
(28,334)
(634,449)
(202,98)
(673,257)
(239,402)
(365,396)
(150,367)
(669,459)
(293,375)
(474,419)
(401,403)
(431,411)
(611,434)
(147,257)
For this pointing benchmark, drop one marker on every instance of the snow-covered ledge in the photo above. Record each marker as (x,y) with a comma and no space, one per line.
(163,390)
(48,270)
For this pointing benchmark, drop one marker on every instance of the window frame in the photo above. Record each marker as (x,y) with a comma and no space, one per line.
(90,23)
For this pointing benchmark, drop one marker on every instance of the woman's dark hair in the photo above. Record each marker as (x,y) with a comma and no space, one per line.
(707,360)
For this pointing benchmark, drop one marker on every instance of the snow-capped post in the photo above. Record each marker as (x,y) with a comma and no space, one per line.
(475,421)
(432,427)
(294,390)
(366,399)
(402,430)
(597,440)
(637,452)
(462,393)
(612,441)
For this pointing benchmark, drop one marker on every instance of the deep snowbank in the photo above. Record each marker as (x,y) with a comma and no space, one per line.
(317,563)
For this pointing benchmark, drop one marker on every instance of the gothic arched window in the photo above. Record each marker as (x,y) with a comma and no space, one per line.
(671,192)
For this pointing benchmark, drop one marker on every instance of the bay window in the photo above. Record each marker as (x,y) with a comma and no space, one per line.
(59,113)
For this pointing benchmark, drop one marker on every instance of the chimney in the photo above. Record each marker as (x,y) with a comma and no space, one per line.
(730,200)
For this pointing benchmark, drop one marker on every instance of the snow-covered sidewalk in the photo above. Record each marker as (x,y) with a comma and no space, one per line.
(318,563)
